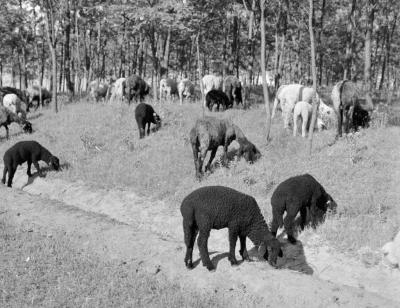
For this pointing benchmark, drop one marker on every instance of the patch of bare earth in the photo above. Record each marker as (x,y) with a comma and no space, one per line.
(119,225)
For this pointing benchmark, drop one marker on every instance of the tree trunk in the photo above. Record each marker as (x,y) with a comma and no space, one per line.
(319,43)
(263,65)
(367,53)
(67,55)
(350,41)
(314,78)
(50,33)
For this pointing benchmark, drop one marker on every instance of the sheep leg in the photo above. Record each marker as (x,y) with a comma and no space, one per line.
(3,180)
(295,118)
(350,116)
(288,222)
(148,128)
(196,161)
(233,235)
(340,119)
(28,172)
(190,232)
(36,164)
(212,156)
(277,220)
(303,216)
(201,159)
(11,173)
(203,249)
(7,132)
(142,128)
(243,250)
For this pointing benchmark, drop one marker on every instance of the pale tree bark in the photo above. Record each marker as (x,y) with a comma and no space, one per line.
(51,40)
(350,41)
(370,14)
(263,65)
(314,77)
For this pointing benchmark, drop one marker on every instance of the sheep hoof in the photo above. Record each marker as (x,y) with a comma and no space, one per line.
(189,265)
(234,262)
(292,240)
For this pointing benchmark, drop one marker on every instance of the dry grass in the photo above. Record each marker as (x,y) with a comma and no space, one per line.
(360,171)
(46,270)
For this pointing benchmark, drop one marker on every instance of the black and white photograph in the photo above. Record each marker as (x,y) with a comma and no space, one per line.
(200,153)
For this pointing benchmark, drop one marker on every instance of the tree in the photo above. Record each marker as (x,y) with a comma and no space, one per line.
(263,65)
(314,76)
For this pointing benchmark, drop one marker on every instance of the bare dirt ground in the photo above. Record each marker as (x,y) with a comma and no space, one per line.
(120,225)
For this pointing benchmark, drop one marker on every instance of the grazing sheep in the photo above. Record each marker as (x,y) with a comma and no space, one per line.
(98,90)
(233,89)
(7,117)
(23,95)
(117,89)
(145,114)
(218,98)
(135,87)
(211,82)
(346,98)
(304,111)
(169,87)
(391,251)
(186,89)
(288,96)
(209,133)
(13,103)
(34,95)
(26,151)
(217,207)
(299,194)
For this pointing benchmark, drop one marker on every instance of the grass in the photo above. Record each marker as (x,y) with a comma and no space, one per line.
(359,170)
(46,270)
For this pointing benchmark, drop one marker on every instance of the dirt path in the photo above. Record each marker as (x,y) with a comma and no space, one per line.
(146,233)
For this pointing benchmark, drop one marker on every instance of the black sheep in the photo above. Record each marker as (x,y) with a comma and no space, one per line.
(7,117)
(34,94)
(209,133)
(135,87)
(217,207)
(217,97)
(26,151)
(145,114)
(299,194)
(233,89)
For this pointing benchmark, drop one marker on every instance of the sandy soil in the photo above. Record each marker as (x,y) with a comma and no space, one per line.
(121,225)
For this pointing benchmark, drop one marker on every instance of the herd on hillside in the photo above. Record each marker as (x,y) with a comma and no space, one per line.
(215,207)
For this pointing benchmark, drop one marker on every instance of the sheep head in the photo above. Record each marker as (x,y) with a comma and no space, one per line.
(249,151)
(275,250)
(54,162)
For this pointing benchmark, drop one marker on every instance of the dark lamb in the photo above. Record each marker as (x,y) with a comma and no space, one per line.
(30,152)
(217,207)
(209,133)
(233,89)
(7,117)
(217,97)
(145,115)
(299,194)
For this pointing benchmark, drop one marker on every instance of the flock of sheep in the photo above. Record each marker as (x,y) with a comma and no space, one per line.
(215,207)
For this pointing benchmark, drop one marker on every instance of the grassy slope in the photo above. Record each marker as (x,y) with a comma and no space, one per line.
(46,270)
(360,172)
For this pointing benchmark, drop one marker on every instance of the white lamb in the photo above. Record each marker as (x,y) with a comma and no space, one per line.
(304,110)
(391,251)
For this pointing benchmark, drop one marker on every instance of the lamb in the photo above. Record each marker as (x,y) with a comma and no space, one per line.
(391,251)
(209,133)
(169,87)
(145,114)
(135,87)
(22,95)
(210,82)
(288,96)
(304,110)
(117,89)
(7,117)
(217,207)
(30,152)
(299,194)
(217,97)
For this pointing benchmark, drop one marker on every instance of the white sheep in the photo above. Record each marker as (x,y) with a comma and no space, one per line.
(211,82)
(391,251)
(15,105)
(117,90)
(304,110)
